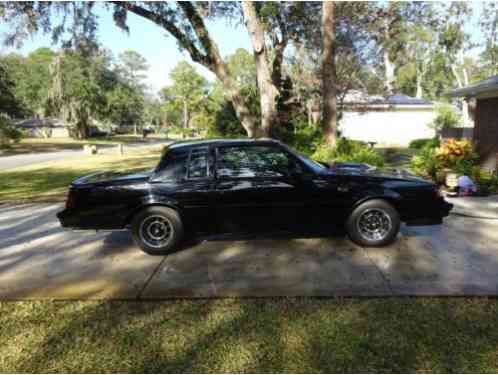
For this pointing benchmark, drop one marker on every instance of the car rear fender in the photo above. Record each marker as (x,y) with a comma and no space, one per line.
(153,201)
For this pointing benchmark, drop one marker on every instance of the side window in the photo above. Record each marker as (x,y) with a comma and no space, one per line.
(198,166)
(174,167)
(254,161)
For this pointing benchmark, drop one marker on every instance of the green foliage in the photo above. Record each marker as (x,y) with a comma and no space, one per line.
(349,151)
(8,133)
(30,77)
(301,136)
(447,117)
(124,105)
(132,67)
(417,144)
(186,98)
(424,163)
(9,104)
(432,162)
(459,156)
(226,123)
(242,67)
(487,182)
(76,91)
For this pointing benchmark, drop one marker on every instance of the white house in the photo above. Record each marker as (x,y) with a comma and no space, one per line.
(390,121)
(43,128)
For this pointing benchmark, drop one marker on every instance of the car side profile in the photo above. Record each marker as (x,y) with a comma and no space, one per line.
(249,186)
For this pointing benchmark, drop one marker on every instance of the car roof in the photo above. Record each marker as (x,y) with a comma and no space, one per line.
(221,142)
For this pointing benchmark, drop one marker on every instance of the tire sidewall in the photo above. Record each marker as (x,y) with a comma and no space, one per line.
(352,228)
(166,212)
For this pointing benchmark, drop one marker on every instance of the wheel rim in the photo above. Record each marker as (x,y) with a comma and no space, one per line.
(156,231)
(374,224)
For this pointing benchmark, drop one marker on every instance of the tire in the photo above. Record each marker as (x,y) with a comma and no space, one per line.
(157,230)
(373,223)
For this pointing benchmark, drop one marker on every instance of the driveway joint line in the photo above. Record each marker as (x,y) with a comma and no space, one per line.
(147,282)
(385,279)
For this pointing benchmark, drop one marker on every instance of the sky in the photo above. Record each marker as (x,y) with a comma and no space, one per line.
(161,50)
(153,43)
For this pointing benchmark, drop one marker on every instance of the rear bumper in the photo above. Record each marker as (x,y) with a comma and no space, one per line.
(435,216)
(70,219)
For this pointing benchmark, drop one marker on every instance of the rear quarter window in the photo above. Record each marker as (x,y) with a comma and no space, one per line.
(198,165)
(173,166)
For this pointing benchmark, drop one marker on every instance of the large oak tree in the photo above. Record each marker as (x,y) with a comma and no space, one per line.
(182,20)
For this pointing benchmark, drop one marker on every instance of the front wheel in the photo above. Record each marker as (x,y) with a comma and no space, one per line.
(157,230)
(373,223)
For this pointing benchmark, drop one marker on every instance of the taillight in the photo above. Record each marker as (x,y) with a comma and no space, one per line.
(70,201)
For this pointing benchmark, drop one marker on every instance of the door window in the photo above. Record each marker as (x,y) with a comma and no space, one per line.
(254,161)
(198,165)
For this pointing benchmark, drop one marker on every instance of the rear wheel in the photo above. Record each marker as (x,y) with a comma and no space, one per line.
(157,230)
(373,223)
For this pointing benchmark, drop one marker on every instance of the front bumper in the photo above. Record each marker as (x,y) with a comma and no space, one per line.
(439,211)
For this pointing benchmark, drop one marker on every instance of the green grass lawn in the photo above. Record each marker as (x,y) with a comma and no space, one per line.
(247,335)
(49,181)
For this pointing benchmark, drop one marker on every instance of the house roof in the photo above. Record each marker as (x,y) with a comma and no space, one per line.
(359,97)
(32,123)
(486,86)
(406,100)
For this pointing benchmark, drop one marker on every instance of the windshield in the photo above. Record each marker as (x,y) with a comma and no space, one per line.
(314,165)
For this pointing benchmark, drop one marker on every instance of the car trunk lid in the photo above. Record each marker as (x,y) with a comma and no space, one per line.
(105,177)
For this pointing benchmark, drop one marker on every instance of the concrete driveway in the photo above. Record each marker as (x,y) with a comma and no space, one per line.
(39,260)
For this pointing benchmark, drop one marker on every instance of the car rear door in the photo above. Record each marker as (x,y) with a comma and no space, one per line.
(258,188)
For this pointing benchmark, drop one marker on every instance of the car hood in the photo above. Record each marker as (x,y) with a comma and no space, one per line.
(105,177)
(364,170)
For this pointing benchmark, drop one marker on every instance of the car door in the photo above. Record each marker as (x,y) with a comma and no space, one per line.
(188,182)
(258,188)
(328,201)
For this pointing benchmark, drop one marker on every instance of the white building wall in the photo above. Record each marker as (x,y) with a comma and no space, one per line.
(388,127)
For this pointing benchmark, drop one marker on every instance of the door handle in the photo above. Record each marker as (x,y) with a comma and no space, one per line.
(343,188)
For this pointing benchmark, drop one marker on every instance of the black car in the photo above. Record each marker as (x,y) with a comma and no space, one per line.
(250,186)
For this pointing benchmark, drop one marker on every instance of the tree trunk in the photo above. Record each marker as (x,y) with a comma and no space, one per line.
(309,108)
(248,120)
(462,81)
(267,90)
(329,91)
(419,85)
(389,71)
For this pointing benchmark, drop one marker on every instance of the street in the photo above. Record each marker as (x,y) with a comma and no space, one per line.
(15,161)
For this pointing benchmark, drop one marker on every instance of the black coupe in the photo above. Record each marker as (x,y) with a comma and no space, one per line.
(250,186)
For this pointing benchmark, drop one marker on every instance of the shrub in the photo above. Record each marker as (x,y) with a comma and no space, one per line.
(349,151)
(304,138)
(457,156)
(8,133)
(424,163)
(417,144)
(446,117)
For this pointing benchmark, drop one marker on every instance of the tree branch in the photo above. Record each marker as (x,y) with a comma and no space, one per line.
(159,20)
(213,55)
